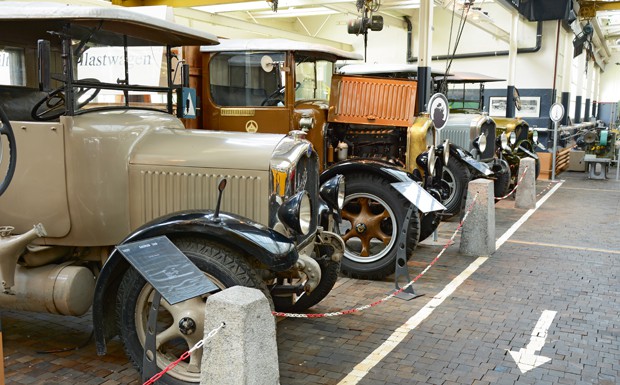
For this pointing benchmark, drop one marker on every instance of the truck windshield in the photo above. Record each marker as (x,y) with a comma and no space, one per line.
(136,76)
(313,79)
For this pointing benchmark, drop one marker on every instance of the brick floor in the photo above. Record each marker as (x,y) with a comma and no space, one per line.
(564,258)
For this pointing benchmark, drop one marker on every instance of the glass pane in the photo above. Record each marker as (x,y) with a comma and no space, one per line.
(313,80)
(12,67)
(247,79)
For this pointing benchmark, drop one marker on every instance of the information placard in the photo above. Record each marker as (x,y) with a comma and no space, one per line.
(167,269)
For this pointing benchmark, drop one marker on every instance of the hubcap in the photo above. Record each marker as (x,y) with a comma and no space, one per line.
(368,227)
(187,326)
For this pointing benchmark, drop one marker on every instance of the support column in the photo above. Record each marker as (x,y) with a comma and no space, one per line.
(424,61)
(566,76)
(512,66)
(589,82)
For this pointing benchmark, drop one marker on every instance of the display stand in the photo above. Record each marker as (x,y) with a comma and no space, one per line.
(401,270)
(173,277)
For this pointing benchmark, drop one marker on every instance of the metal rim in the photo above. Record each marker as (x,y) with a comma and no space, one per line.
(450,180)
(170,341)
(369,226)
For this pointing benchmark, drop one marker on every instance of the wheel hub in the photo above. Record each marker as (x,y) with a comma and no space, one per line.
(361,228)
(187,326)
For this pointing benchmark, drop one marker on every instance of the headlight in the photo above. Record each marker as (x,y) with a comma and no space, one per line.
(431,160)
(332,192)
(513,138)
(296,213)
(535,136)
(446,152)
(481,142)
(504,140)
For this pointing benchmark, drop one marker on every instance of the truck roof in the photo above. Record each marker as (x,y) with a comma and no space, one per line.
(278,45)
(392,69)
(24,21)
(469,77)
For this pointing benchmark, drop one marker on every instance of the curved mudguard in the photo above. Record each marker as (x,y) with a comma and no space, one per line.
(459,153)
(404,182)
(268,246)
(525,150)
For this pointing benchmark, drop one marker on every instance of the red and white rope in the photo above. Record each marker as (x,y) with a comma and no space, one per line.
(392,295)
(516,185)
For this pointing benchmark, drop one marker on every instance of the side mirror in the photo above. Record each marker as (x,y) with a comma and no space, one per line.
(44,59)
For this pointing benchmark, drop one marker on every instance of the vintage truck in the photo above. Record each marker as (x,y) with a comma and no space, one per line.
(98,157)
(514,137)
(464,131)
(278,85)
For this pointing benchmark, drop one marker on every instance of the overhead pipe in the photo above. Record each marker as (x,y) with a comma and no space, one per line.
(473,55)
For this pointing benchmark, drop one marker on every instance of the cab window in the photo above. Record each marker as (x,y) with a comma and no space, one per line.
(247,79)
(313,79)
(12,67)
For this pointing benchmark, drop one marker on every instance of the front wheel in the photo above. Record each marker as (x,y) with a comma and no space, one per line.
(223,266)
(457,176)
(372,215)
(501,185)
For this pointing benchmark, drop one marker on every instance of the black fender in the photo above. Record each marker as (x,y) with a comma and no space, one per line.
(382,169)
(266,245)
(460,154)
(520,147)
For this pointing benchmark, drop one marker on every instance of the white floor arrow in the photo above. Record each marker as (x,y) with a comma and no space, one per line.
(526,358)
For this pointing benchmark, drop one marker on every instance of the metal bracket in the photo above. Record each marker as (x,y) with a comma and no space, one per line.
(149,361)
(401,269)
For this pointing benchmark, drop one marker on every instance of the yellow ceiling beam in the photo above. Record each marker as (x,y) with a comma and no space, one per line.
(174,3)
(588,9)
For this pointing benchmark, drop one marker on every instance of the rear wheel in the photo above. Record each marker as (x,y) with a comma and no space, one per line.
(223,266)
(457,176)
(372,215)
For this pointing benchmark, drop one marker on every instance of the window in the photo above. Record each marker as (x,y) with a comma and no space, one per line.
(313,79)
(12,67)
(247,79)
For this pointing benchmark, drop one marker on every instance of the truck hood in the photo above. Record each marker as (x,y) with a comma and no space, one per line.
(202,148)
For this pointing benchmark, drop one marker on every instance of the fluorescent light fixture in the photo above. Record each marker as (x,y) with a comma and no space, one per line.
(294,12)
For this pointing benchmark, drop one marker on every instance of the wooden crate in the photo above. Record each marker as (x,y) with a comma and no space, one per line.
(561,162)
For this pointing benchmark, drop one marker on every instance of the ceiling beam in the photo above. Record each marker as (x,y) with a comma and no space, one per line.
(206,21)
(174,3)
(588,9)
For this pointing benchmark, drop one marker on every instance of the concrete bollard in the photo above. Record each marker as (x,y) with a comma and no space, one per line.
(525,197)
(478,234)
(244,352)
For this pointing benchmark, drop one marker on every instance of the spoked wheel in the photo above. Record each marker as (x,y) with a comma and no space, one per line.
(7,130)
(372,215)
(179,326)
(456,175)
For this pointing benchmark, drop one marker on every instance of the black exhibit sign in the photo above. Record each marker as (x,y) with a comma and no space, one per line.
(167,269)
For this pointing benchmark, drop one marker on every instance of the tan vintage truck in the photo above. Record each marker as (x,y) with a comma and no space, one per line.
(97,156)
(278,85)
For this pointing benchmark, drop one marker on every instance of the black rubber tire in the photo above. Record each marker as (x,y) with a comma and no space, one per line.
(428,225)
(329,275)
(457,176)
(223,265)
(377,189)
(501,185)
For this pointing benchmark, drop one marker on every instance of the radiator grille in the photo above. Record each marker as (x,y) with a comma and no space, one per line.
(367,100)
(155,193)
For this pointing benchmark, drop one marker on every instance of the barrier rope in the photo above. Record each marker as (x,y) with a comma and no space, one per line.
(395,293)
(185,355)
(516,186)
(213,332)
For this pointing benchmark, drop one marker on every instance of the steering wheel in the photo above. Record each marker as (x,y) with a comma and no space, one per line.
(274,98)
(54,102)
(7,130)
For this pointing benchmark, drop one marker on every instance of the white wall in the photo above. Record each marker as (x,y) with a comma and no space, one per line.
(610,81)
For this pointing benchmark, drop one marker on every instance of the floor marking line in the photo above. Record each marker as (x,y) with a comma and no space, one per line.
(564,246)
(590,189)
(360,370)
